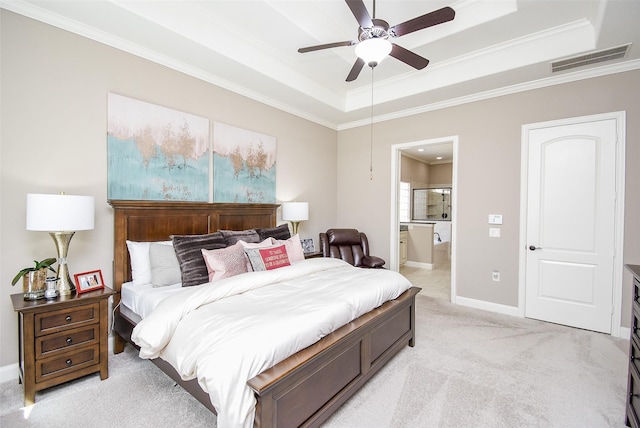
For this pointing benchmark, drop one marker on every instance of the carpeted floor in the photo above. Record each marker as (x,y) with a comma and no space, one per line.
(469,368)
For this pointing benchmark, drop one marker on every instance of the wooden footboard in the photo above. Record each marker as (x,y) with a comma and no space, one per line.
(308,387)
(305,389)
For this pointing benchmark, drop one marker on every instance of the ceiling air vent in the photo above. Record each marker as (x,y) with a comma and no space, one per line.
(591,58)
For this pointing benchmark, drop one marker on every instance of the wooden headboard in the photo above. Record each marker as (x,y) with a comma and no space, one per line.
(145,221)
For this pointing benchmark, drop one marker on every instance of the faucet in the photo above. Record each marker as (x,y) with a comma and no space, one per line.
(439,239)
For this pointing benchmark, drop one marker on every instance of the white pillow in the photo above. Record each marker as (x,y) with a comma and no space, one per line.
(140,261)
(165,269)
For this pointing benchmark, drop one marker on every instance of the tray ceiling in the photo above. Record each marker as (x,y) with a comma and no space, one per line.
(250,47)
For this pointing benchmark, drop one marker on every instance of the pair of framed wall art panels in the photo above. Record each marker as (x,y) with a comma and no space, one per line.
(157,153)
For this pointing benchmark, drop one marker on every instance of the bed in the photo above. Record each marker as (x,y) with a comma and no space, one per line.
(303,389)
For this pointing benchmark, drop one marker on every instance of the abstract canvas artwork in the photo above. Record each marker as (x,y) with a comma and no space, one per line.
(244,165)
(156,153)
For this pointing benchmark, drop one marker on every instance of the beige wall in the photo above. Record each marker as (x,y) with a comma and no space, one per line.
(53,138)
(488,175)
(414,172)
(441,174)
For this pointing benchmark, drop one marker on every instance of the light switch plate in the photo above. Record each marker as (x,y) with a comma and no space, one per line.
(494,232)
(495,218)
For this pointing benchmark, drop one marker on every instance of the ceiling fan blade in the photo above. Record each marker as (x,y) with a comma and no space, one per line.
(428,20)
(355,70)
(360,12)
(408,57)
(327,46)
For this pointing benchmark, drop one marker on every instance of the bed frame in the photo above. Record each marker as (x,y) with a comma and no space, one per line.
(306,388)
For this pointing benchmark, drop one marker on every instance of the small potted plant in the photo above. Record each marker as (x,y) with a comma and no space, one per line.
(34,277)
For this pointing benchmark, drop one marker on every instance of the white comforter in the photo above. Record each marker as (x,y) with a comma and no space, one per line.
(227,332)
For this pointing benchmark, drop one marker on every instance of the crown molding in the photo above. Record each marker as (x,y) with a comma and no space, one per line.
(575,76)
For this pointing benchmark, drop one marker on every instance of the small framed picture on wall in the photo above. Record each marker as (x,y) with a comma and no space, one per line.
(89,281)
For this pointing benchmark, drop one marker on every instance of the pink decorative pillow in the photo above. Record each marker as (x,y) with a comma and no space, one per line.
(293,246)
(225,262)
(268,258)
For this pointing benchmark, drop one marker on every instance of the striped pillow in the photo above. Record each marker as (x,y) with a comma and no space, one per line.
(280,233)
(188,248)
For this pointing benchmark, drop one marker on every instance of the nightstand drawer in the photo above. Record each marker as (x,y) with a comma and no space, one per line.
(69,362)
(635,326)
(633,402)
(47,346)
(54,321)
(636,294)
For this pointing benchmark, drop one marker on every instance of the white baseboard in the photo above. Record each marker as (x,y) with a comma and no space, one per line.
(419,265)
(625,333)
(488,306)
(9,373)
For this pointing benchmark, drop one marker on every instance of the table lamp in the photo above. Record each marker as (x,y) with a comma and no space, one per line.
(295,212)
(61,215)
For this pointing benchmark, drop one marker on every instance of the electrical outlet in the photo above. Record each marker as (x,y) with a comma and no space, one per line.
(495,275)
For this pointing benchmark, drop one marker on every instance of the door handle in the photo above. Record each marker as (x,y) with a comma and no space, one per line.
(533,248)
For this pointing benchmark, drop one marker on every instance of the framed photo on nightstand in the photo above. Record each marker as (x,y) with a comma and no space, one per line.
(307,246)
(89,281)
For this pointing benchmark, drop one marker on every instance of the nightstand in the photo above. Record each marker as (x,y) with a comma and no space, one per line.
(313,255)
(61,339)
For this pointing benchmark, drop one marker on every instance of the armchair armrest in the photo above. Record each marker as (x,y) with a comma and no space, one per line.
(373,262)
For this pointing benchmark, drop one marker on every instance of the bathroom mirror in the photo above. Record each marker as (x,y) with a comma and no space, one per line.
(431,204)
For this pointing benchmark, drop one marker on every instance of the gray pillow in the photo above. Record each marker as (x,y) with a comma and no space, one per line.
(165,269)
(281,233)
(233,236)
(188,249)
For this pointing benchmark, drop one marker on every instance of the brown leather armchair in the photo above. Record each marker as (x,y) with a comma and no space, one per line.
(349,245)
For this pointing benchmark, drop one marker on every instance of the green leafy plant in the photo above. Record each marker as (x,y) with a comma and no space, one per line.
(43,264)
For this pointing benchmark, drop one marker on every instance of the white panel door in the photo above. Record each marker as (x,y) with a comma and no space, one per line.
(570,224)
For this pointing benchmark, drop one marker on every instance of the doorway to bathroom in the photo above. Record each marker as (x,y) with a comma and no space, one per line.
(423,220)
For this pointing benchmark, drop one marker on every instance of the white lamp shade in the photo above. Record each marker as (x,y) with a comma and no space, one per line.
(60,213)
(295,211)
(373,50)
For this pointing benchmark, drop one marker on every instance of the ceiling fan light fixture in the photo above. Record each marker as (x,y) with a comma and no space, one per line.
(373,50)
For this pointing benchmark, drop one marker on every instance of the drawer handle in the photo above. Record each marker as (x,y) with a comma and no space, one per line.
(69,340)
(69,362)
(68,318)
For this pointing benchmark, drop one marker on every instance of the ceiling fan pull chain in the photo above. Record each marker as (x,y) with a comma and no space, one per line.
(371,130)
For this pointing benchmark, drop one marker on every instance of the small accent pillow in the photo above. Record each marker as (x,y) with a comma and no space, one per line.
(294,248)
(279,232)
(268,258)
(266,243)
(233,236)
(140,263)
(188,251)
(225,262)
(165,269)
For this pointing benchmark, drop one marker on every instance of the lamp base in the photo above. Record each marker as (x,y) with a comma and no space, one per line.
(62,239)
(294,226)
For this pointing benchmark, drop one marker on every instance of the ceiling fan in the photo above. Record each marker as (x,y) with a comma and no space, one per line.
(374,33)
